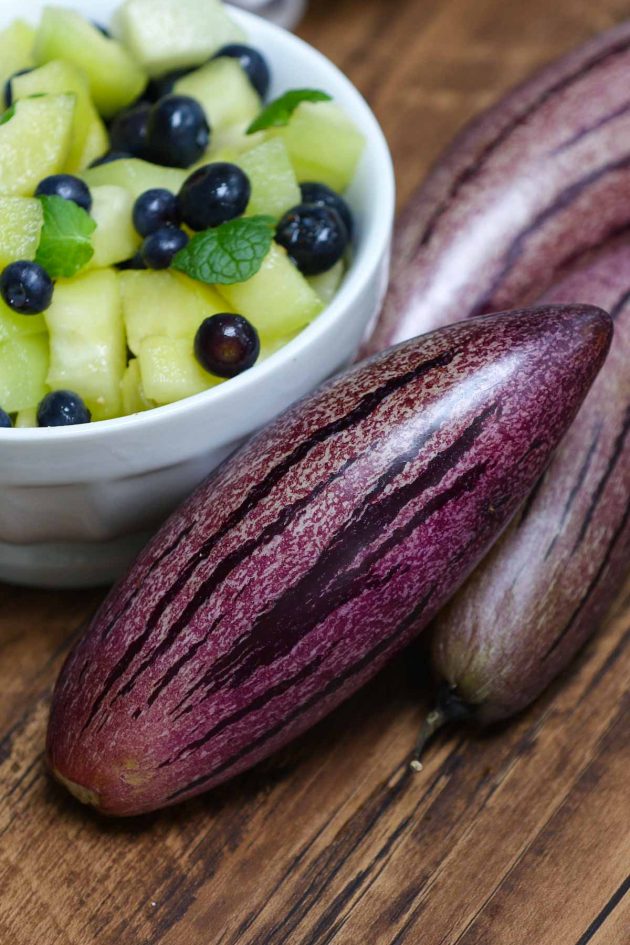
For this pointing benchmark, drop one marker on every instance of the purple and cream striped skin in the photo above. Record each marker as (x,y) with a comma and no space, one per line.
(547,584)
(314,555)
(531,184)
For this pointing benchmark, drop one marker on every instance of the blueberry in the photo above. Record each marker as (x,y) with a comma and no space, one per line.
(109,157)
(226,345)
(154,209)
(5,420)
(322,196)
(158,88)
(178,132)
(159,249)
(314,237)
(214,194)
(26,288)
(66,186)
(62,408)
(253,64)
(128,131)
(8,87)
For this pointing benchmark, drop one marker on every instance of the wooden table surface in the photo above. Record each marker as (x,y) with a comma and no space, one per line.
(519,837)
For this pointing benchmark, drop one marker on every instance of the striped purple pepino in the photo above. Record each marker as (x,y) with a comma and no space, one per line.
(529,185)
(314,554)
(547,584)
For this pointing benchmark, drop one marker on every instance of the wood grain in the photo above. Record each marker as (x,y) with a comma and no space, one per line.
(517,837)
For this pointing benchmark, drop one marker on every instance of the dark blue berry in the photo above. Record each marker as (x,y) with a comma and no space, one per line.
(159,249)
(158,88)
(154,209)
(128,131)
(226,345)
(5,420)
(26,288)
(322,196)
(66,186)
(109,157)
(314,237)
(253,64)
(8,87)
(62,408)
(213,195)
(178,132)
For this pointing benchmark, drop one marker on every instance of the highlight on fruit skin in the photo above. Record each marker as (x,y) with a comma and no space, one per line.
(547,584)
(314,555)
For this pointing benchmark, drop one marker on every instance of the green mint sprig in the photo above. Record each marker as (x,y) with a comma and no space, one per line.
(278,113)
(65,244)
(227,254)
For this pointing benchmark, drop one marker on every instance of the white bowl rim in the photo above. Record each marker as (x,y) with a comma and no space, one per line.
(374,244)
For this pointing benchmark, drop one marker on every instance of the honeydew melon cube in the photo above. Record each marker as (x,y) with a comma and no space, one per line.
(274,185)
(35,142)
(165,304)
(323,143)
(135,175)
(134,399)
(89,135)
(115,238)
(21,221)
(16,49)
(13,326)
(87,341)
(277,300)
(164,35)
(326,285)
(114,77)
(23,370)
(224,91)
(170,370)
(269,346)
(26,418)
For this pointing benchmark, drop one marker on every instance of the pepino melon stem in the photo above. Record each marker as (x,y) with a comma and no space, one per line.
(449,708)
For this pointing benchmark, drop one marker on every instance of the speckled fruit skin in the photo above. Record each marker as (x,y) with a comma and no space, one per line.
(532,183)
(548,582)
(314,554)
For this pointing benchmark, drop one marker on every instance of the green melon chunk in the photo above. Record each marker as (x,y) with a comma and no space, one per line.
(224,91)
(89,135)
(16,49)
(13,326)
(136,176)
(87,341)
(327,284)
(26,419)
(164,35)
(21,221)
(165,304)
(170,370)
(277,300)
(134,399)
(115,238)
(274,185)
(323,143)
(115,79)
(35,142)
(23,370)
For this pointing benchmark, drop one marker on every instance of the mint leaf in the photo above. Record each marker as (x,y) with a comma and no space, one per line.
(226,254)
(278,113)
(8,115)
(64,246)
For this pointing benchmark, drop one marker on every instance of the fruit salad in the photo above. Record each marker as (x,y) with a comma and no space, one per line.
(164,225)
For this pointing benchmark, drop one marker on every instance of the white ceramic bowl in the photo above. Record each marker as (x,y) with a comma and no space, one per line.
(76,504)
